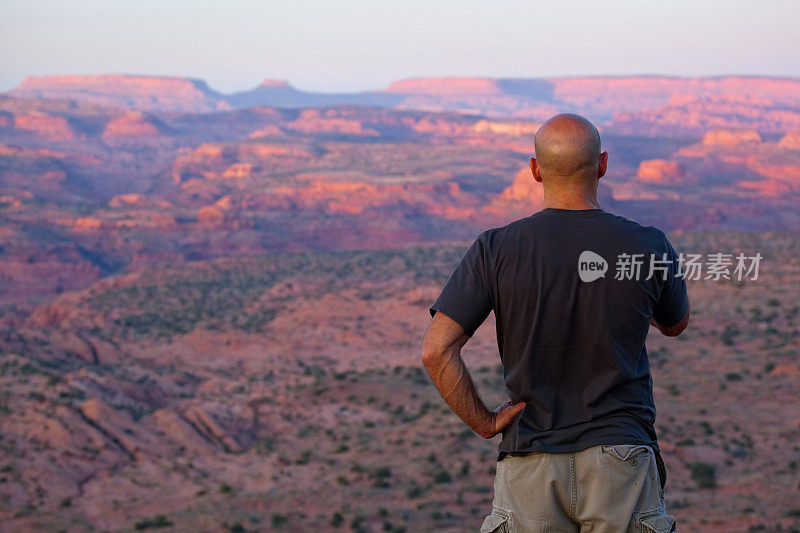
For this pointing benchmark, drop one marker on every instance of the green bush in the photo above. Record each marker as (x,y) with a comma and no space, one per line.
(704,474)
(153,523)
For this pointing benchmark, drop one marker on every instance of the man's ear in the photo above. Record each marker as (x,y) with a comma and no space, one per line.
(601,170)
(536,170)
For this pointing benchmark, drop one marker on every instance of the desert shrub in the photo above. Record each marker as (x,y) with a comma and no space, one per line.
(442,476)
(304,458)
(381,477)
(153,523)
(704,474)
(414,491)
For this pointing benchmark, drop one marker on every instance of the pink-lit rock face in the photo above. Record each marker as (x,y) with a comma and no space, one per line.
(314,121)
(52,128)
(129,126)
(125,200)
(270,130)
(730,138)
(523,197)
(229,161)
(660,171)
(790,141)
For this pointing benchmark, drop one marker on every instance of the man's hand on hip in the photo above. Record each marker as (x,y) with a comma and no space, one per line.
(441,355)
(500,418)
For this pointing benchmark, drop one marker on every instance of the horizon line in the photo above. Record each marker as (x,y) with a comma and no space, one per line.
(289,84)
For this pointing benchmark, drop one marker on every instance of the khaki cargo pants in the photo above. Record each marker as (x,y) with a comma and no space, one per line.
(602,489)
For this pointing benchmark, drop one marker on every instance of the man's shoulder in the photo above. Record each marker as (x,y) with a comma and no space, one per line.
(616,226)
(491,233)
(637,226)
(541,217)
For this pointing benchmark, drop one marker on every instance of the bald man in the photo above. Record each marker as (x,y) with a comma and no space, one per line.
(574,290)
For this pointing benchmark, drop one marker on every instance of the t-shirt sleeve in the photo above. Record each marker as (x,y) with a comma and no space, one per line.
(673,300)
(466,297)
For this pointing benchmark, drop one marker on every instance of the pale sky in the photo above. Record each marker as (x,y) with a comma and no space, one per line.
(350,45)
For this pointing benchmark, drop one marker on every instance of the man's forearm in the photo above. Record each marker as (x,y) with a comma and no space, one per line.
(451,377)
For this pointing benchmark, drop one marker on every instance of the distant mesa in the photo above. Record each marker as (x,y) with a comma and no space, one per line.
(454,86)
(660,171)
(790,141)
(118,90)
(730,137)
(598,97)
(270,82)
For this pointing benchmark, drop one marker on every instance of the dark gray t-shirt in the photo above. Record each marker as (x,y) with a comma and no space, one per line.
(571,335)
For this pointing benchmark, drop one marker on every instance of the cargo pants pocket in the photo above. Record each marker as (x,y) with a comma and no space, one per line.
(663,523)
(496,522)
(626,452)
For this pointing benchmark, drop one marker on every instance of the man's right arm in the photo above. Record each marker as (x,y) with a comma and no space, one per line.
(671,312)
(677,329)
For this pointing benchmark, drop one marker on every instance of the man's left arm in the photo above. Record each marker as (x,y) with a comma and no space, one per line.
(441,355)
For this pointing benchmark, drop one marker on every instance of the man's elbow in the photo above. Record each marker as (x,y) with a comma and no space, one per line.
(673,331)
(431,356)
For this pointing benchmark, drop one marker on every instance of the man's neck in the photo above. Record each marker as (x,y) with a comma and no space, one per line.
(572,201)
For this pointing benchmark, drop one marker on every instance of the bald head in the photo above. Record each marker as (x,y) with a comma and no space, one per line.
(568,146)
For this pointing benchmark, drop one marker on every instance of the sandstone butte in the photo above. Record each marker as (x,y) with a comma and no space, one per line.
(134,124)
(790,141)
(730,137)
(270,130)
(523,197)
(660,171)
(130,199)
(143,92)
(515,128)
